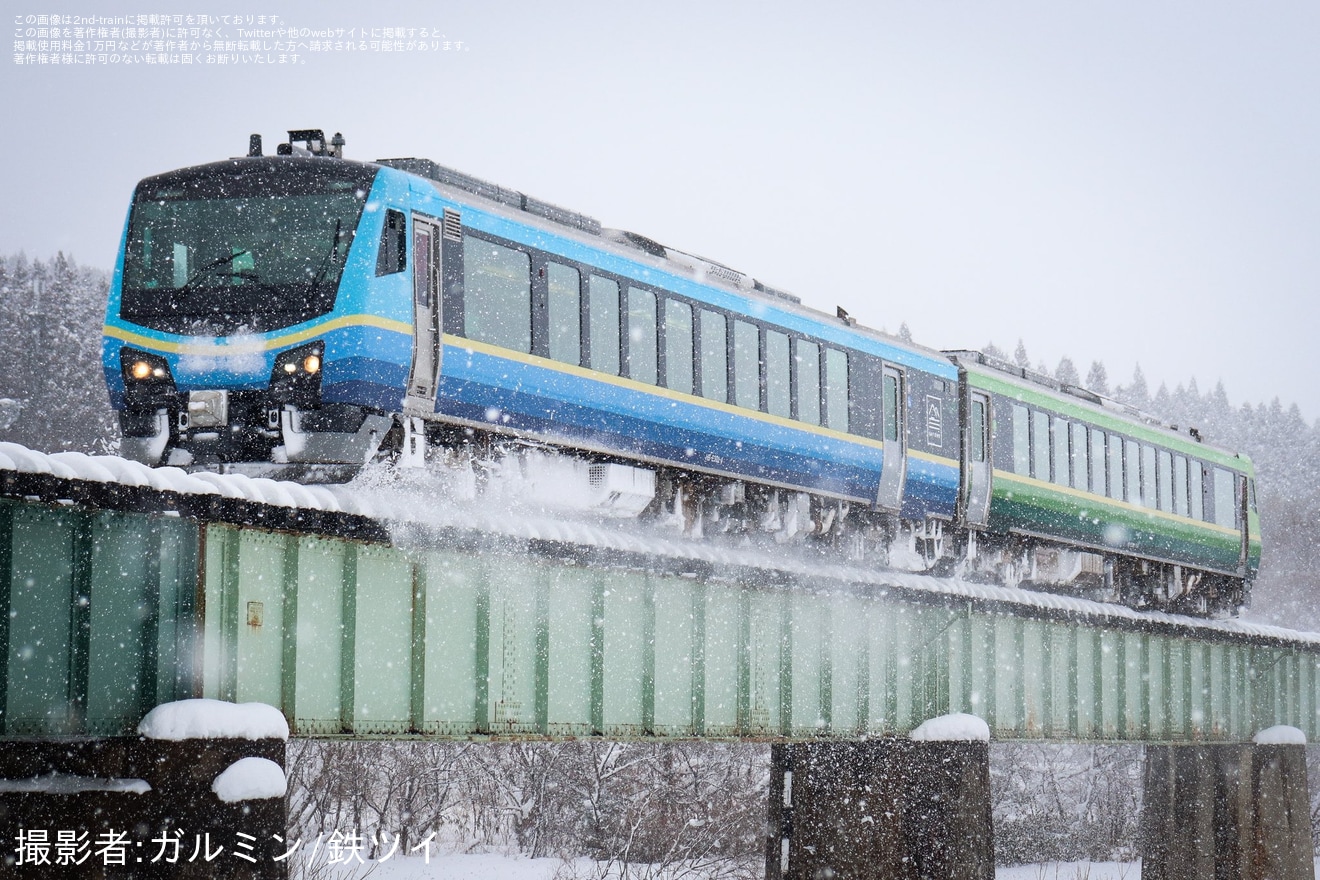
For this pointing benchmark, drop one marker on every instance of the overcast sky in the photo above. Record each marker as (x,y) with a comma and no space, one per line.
(1134,182)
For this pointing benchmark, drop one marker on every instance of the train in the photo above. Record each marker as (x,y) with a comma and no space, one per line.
(302,314)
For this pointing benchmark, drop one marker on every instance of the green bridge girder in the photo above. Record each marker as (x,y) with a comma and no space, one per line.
(104,614)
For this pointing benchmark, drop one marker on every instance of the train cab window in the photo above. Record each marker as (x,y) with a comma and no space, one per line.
(1180,485)
(678,346)
(977,430)
(836,389)
(1225,498)
(807,360)
(1080,455)
(714,356)
(1098,463)
(1059,452)
(1164,495)
(1040,445)
(1148,496)
(393,253)
(497,294)
(1021,440)
(1132,471)
(603,308)
(642,357)
(778,390)
(746,365)
(565,313)
(892,401)
(1195,492)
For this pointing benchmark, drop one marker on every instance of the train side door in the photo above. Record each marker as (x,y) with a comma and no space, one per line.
(894,434)
(424,375)
(976,472)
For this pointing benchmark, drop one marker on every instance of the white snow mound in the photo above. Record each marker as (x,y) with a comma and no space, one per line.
(956,727)
(250,779)
(1280,735)
(214,719)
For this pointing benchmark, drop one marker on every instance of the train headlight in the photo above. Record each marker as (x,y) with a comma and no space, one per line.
(296,378)
(147,378)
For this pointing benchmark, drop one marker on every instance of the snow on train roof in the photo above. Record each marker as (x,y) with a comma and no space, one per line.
(408,519)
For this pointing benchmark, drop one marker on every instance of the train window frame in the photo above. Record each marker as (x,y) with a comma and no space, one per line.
(494,328)
(745,340)
(1196,489)
(641,347)
(714,360)
(566,298)
(978,420)
(392,254)
(1164,480)
(1224,486)
(1149,497)
(1099,462)
(891,404)
(1021,439)
(1180,485)
(679,364)
(1060,465)
(1040,445)
(806,361)
(1131,471)
(1079,454)
(778,370)
(837,390)
(604,340)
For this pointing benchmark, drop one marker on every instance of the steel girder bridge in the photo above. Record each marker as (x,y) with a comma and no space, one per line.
(118,594)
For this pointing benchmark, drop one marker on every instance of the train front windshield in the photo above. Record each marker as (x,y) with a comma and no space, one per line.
(242,246)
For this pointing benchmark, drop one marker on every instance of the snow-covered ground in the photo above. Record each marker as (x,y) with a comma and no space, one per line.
(497,867)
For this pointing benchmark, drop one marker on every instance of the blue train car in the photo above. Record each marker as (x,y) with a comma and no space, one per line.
(305,313)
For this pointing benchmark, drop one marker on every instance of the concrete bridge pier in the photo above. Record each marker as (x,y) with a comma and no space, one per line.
(1226,812)
(885,808)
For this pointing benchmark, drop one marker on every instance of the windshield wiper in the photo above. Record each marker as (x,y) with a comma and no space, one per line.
(219,261)
(331,255)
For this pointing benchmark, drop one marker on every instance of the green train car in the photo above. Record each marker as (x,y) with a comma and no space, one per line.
(1066,490)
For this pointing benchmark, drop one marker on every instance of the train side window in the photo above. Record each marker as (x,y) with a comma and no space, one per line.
(642,355)
(1114,456)
(1180,485)
(1225,499)
(565,313)
(1132,471)
(603,304)
(1021,440)
(778,390)
(714,356)
(1040,445)
(393,253)
(1148,484)
(808,382)
(1059,452)
(1098,462)
(1164,493)
(977,430)
(678,346)
(746,365)
(893,400)
(497,294)
(836,389)
(1195,491)
(1080,455)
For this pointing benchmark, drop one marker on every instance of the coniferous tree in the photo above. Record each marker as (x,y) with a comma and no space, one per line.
(1066,372)
(1097,379)
(1020,356)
